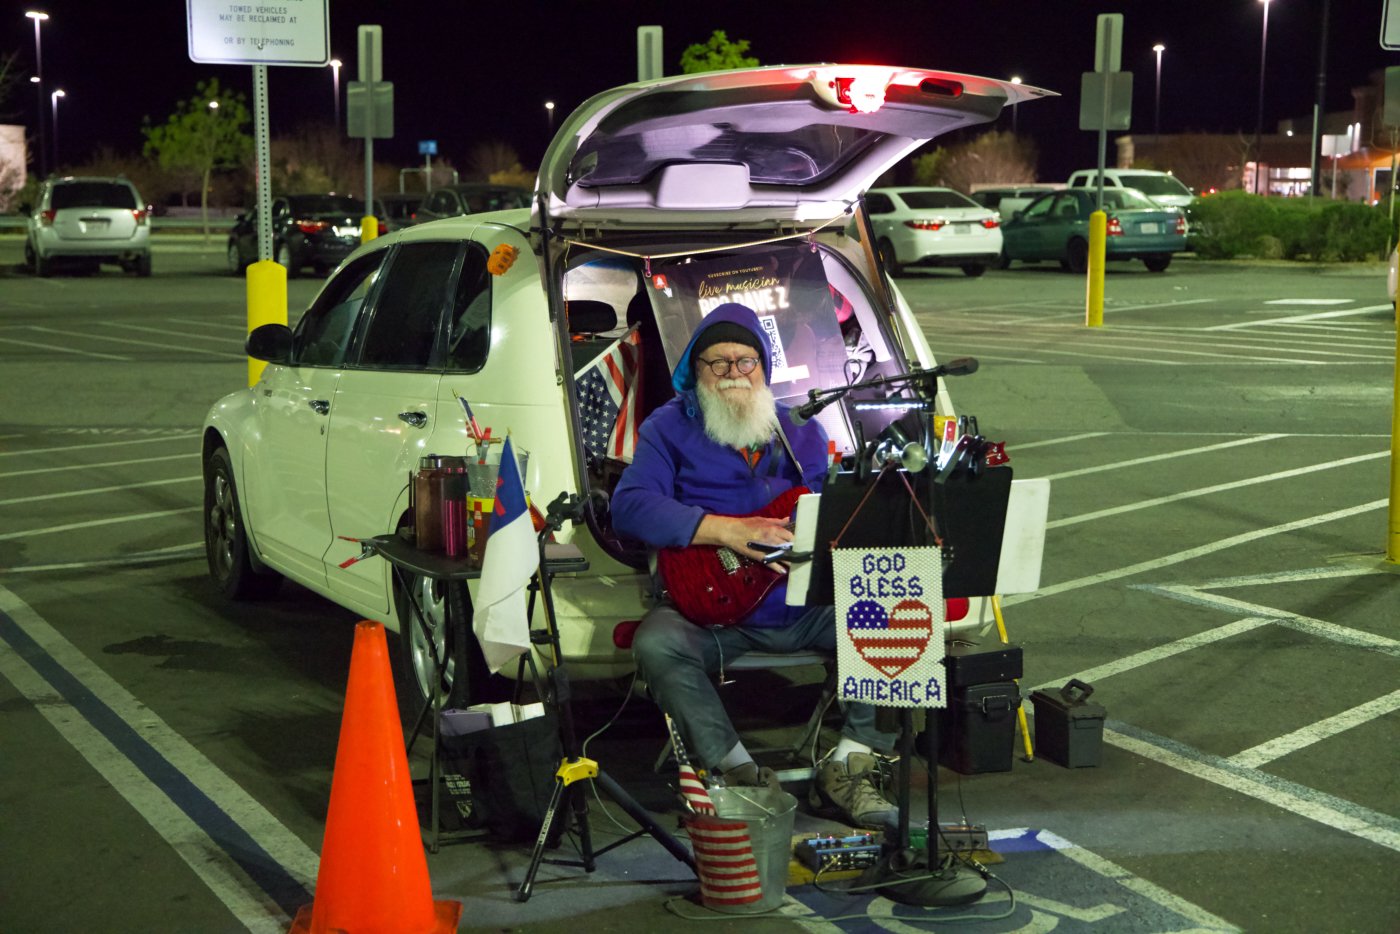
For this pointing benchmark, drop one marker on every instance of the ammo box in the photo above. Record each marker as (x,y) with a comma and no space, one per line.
(977,730)
(1068,729)
(971,663)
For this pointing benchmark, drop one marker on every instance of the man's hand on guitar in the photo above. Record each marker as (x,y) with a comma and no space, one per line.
(736,532)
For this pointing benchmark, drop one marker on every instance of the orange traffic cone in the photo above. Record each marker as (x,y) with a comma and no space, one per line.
(374,875)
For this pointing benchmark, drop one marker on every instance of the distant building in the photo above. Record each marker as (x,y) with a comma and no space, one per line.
(1361,170)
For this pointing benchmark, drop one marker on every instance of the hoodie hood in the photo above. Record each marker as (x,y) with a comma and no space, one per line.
(683,376)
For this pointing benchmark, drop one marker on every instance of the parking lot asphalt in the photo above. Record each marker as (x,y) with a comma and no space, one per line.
(1214,568)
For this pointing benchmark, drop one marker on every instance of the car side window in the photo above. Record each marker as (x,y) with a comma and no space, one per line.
(1066,205)
(469,336)
(1040,208)
(323,333)
(403,327)
(878,204)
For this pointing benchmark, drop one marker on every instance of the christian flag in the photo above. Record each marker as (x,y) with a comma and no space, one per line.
(511,558)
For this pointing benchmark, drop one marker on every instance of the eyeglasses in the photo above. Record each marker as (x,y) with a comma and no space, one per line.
(721,367)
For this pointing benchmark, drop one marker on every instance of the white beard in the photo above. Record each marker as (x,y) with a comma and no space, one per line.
(738,418)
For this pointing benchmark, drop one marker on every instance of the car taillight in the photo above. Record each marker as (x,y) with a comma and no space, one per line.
(311,227)
(141,217)
(925,225)
(991,223)
(46,218)
(383,228)
(1115,227)
(1180,226)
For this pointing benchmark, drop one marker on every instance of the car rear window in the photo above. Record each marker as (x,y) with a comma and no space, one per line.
(1155,184)
(1128,198)
(303,205)
(929,200)
(93,195)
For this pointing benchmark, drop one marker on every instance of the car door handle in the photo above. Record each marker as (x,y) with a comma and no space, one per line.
(320,406)
(415,419)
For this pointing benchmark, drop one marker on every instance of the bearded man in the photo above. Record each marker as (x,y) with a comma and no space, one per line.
(720,449)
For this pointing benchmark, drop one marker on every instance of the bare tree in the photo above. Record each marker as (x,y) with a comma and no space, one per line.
(995,157)
(1203,161)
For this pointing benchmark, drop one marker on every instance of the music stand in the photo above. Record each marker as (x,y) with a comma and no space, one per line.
(969,511)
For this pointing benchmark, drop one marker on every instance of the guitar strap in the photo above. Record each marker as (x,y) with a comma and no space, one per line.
(782,436)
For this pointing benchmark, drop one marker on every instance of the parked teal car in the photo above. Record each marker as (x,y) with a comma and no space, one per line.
(1056,227)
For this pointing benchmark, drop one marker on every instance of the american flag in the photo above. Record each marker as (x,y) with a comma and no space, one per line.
(607,399)
(724,860)
(693,790)
(890,641)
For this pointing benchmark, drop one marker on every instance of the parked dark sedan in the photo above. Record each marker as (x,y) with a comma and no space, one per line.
(1056,227)
(307,230)
(471,198)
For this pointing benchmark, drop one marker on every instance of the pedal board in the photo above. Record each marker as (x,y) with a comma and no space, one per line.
(957,838)
(834,854)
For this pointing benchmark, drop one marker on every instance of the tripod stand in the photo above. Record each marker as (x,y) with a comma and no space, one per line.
(567,800)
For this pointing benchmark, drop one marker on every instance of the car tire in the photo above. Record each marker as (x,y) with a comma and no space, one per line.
(284,256)
(236,266)
(890,259)
(143,265)
(1077,255)
(225,537)
(37,264)
(465,671)
(1005,261)
(1157,262)
(973,270)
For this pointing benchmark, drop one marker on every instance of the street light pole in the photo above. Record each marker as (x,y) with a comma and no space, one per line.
(1015,79)
(549,116)
(1259,120)
(1157,106)
(53,100)
(335,64)
(38,18)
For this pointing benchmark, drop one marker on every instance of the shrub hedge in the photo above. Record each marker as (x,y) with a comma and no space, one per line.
(1236,223)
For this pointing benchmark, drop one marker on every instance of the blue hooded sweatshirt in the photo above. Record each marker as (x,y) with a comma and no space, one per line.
(679,474)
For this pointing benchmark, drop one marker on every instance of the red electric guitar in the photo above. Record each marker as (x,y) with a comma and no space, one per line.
(716,586)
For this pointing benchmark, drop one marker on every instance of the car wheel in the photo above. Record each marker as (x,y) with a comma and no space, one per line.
(41,267)
(143,265)
(421,641)
(1005,261)
(284,256)
(226,539)
(973,271)
(888,257)
(1077,255)
(235,260)
(1158,262)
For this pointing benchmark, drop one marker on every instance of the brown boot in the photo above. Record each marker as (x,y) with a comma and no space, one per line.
(850,792)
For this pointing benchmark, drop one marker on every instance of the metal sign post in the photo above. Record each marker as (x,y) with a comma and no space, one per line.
(648,53)
(369,114)
(221,32)
(1105,103)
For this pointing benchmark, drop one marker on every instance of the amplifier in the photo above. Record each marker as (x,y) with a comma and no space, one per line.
(827,854)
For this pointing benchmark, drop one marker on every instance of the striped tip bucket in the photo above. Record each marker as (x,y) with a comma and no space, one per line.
(743,849)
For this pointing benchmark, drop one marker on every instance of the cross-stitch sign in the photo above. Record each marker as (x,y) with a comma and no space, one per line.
(889,626)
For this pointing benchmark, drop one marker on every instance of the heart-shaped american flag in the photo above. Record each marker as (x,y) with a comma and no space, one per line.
(894,641)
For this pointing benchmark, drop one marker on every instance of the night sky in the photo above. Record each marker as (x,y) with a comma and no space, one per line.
(467,71)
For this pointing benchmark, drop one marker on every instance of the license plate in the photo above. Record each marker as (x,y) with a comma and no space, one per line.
(1149,228)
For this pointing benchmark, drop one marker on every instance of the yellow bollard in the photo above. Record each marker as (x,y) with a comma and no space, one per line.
(1093,302)
(369,228)
(267,304)
(1021,710)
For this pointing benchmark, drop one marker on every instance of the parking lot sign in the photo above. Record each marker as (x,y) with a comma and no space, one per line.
(225,32)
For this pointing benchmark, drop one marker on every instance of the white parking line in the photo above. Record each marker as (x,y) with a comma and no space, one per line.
(1306,736)
(173,553)
(184,439)
(1064,440)
(81,353)
(1190,554)
(1208,490)
(242,328)
(1315,316)
(93,523)
(174,781)
(97,489)
(164,331)
(123,340)
(1116,465)
(137,460)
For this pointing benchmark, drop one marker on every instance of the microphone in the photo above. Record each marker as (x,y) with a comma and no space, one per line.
(962,366)
(802,414)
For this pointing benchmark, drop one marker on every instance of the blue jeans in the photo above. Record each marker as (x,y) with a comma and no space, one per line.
(678,659)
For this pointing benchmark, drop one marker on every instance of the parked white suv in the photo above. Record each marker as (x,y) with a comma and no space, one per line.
(1163,187)
(560,324)
(95,220)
